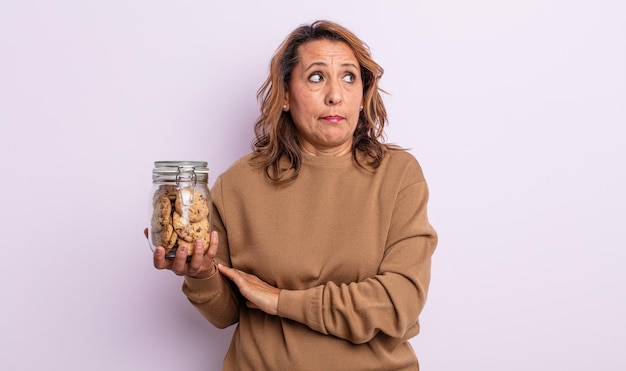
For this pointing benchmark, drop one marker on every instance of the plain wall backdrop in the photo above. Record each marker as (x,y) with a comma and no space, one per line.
(515,109)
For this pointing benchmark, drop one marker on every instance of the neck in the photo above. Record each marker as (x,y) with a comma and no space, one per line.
(332,151)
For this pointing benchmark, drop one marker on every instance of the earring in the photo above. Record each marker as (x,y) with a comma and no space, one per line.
(284,107)
(361,109)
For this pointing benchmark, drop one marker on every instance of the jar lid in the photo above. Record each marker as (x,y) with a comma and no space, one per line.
(173,167)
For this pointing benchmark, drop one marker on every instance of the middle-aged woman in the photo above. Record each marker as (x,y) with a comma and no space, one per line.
(321,249)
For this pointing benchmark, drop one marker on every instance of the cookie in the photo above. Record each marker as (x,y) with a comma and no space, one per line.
(166,237)
(170,245)
(189,231)
(161,215)
(171,241)
(168,191)
(192,204)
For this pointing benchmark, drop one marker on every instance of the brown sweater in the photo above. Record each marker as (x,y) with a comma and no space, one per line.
(351,251)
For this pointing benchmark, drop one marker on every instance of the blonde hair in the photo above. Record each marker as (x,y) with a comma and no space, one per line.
(276,139)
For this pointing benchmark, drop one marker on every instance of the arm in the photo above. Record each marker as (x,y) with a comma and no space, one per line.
(389,302)
(213,296)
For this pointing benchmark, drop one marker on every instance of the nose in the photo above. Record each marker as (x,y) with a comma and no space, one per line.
(333,93)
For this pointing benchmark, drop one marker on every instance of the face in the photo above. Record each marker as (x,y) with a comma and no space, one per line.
(324,97)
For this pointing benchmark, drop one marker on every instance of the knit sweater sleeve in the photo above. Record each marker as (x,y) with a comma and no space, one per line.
(390,301)
(214,296)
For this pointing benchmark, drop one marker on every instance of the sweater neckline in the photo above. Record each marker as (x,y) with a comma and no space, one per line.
(327,161)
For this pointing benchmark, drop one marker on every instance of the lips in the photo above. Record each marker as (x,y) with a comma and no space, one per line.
(333,118)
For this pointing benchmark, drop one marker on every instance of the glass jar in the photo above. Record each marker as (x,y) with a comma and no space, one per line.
(180,206)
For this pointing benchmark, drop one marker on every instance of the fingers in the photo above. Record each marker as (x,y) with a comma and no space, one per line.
(213,242)
(159,259)
(158,256)
(242,279)
(197,258)
(258,294)
(180,260)
(198,264)
(201,263)
(230,273)
(238,277)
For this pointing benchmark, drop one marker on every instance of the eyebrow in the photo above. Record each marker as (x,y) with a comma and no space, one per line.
(314,64)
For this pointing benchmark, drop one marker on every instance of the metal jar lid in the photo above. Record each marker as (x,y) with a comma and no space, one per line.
(180,171)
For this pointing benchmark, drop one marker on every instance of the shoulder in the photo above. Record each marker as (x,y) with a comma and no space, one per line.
(402,163)
(239,170)
(242,163)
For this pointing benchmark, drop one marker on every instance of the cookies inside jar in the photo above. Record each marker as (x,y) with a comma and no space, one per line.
(180,216)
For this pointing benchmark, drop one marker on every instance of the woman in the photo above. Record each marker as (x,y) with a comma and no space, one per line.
(321,248)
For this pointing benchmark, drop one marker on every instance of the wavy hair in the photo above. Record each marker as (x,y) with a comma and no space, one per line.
(276,146)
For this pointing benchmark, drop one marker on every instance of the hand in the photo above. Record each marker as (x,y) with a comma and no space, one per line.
(259,295)
(200,265)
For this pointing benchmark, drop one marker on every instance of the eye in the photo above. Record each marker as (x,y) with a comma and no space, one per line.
(349,77)
(315,77)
